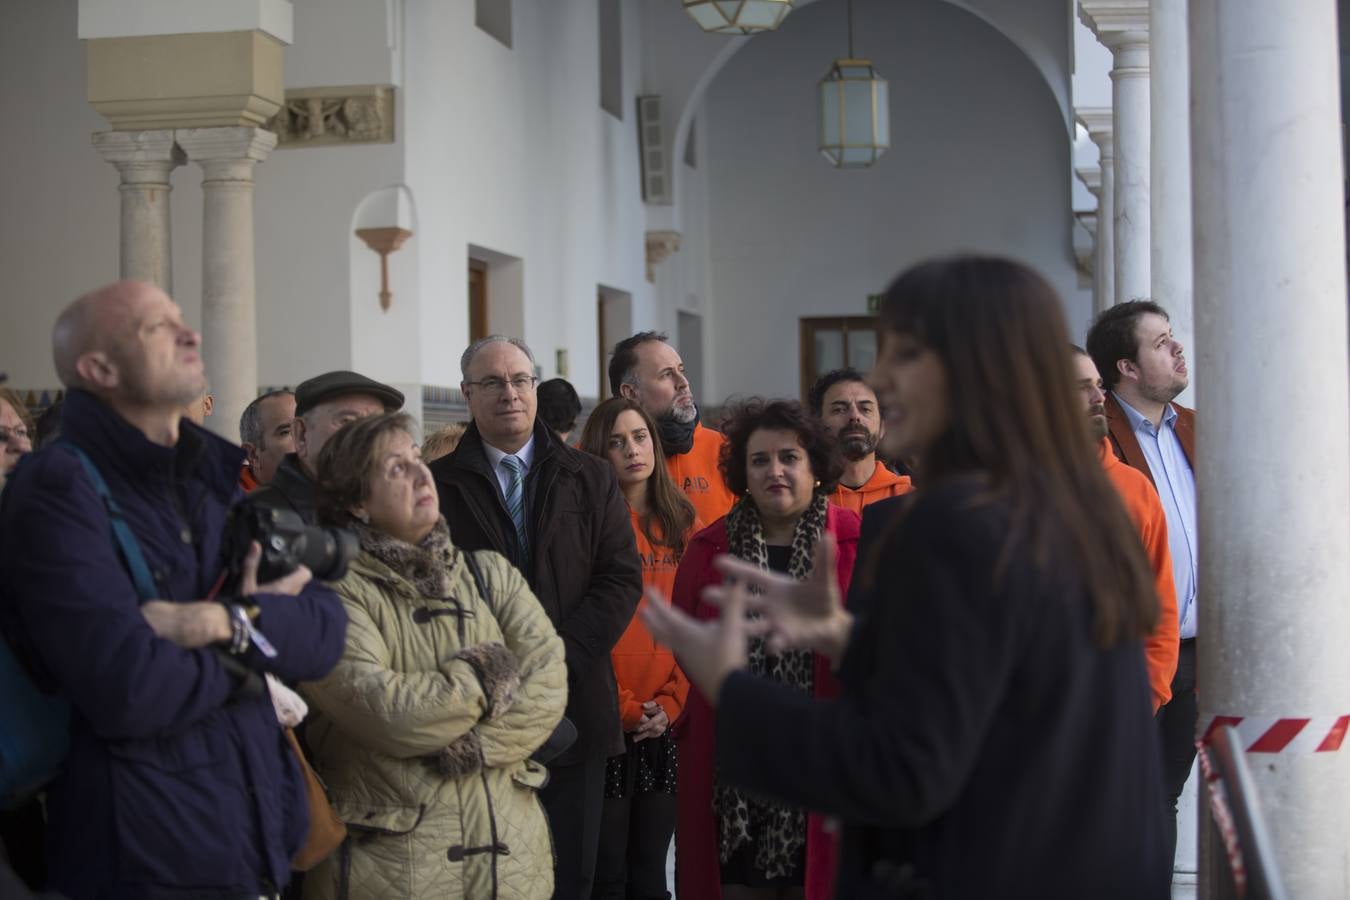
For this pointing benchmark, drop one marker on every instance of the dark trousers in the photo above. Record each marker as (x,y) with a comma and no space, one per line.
(1176,724)
(635,835)
(573,799)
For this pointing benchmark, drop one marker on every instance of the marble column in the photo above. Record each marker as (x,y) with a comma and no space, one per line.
(227,156)
(1122,26)
(145,160)
(1270,327)
(1170,169)
(1100,128)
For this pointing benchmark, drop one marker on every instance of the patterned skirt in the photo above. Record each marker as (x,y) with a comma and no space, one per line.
(647,767)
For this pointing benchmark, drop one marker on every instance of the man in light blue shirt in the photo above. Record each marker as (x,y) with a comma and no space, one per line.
(1143,367)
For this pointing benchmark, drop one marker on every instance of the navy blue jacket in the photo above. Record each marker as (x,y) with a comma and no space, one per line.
(175,786)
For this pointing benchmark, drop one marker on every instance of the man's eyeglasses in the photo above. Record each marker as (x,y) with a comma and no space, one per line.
(15,434)
(495,387)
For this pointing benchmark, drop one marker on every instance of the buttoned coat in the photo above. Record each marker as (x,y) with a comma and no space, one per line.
(400,694)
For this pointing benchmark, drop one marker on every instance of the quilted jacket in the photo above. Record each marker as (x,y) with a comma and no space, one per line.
(403,693)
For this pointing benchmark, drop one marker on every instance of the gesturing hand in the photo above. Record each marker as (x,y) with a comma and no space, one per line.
(290,584)
(707,651)
(798,615)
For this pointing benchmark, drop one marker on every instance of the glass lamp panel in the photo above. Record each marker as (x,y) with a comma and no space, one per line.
(862,349)
(707,16)
(829,112)
(761,14)
(857,112)
(829,351)
(857,156)
(883,106)
(856,71)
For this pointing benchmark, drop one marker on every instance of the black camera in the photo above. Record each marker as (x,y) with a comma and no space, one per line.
(287,543)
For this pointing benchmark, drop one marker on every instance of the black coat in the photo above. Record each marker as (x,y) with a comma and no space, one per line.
(983,745)
(583,563)
(290,488)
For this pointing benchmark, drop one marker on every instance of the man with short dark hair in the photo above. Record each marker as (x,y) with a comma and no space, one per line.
(646,369)
(559,406)
(178,783)
(265,434)
(323,404)
(1143,368)
(558,515)
(846,404)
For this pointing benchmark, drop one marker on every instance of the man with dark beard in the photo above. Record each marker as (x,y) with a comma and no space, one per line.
(646,369)
(1143,368)
(848,407)
(1146,511)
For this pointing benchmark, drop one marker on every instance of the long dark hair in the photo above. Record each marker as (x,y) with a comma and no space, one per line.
(1017,421)
(669,513)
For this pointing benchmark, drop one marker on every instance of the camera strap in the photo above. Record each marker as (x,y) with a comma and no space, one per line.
(127,547)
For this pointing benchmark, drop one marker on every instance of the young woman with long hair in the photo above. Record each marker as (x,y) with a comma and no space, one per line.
(639,812)
(994,735)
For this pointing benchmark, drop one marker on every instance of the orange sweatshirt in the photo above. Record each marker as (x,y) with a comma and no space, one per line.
(1145,509)
(644,669)
(883,483)
(696,474)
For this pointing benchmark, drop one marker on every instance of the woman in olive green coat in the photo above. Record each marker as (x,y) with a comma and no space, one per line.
(423,732)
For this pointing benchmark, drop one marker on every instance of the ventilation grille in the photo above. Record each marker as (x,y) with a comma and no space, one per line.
(655,170)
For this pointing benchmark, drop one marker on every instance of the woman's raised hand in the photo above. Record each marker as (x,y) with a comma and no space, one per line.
(797,615)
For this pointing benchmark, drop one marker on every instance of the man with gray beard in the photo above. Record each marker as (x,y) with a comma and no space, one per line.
(646,369)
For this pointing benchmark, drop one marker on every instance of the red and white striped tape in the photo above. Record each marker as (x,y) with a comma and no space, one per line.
(1268,734)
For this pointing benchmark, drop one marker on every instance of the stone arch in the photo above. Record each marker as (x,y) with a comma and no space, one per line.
(1040,56)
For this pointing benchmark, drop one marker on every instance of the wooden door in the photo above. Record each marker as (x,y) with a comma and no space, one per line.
(834,342)
(478,300)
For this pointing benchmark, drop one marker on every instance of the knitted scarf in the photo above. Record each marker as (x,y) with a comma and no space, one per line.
(778,832)
(676,437)
(426,564)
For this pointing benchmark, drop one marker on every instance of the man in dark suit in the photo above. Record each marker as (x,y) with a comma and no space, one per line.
(558,515)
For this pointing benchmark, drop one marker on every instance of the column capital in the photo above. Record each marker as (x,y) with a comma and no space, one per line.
(233,143)
(1091,176)
(1100,125)
(138,147)
(1116,23)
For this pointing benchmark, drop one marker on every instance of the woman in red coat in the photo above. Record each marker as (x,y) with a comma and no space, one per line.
(730,845)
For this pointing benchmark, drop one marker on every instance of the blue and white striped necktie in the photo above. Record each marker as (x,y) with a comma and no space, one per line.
(515,498)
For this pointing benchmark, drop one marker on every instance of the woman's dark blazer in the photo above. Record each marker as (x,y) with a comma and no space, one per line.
(983,745)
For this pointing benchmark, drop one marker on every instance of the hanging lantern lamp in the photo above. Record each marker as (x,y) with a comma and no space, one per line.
(738,16)
(855,126)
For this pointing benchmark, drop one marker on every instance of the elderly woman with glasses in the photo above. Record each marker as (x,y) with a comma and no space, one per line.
(451,679)
(16,430)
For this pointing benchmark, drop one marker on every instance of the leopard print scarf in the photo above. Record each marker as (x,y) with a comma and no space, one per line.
(426,564)
(777,832)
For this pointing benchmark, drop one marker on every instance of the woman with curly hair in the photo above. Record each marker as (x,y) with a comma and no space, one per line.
(782,464)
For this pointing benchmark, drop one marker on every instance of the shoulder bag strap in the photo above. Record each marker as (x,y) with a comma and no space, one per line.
(478,581)
(122,535)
